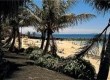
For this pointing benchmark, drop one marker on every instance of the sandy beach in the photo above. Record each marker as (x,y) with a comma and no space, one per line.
(65,48)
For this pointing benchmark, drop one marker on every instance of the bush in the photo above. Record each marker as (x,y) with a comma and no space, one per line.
(77,68)
(47,61)
(30,49)
(35,54)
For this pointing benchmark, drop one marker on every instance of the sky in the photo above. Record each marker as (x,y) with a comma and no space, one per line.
(92,26)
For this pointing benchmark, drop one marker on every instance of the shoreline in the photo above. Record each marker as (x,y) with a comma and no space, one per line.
(66,36)
(79,39)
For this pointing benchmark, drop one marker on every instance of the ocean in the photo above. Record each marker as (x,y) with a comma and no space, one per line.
(71,36)
(74,36)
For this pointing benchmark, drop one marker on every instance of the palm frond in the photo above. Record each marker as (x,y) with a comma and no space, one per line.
(84,17)
(71,19)
(52,12)
(100,5)
(10,7)
(67,18)
(34,16)
(74,19)
(66,4)
(35,9)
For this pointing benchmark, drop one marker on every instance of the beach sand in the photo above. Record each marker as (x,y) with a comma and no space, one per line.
(65,48)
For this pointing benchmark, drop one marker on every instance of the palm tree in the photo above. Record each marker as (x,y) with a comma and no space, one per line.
(43,35)
(53,17)
(105,60)
(12,6)
(24,19)
(105,54)
(102,6)
(21,20)
(15,32)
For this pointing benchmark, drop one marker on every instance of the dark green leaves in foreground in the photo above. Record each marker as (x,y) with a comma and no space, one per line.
(76,68)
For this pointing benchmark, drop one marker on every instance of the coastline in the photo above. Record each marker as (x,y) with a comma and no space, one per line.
(65,36)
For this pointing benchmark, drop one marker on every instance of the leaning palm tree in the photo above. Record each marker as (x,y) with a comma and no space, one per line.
(105,54)
(22,20)
(101,6)
(12,6)
(53,17)
(105,60)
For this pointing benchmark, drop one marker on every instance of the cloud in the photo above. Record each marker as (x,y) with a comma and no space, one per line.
(28,29)
(70,30)
(78,31)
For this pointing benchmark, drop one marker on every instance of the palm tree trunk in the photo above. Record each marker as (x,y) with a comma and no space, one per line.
(48,41)
(13,42)
(0,33)
(8,40)
(105,63)
(19,38)
(1,54)
(54,47)
(43,39)
(103,70)
(42,43)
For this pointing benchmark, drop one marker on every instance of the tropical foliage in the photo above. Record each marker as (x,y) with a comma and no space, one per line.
(20,20)
(53,16)
(12,12)
(100,5)
(74,67)
(48,19)
(8,10)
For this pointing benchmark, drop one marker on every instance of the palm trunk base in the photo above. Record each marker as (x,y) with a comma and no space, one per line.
(42,43)
(104,70)
(47,44)
(46,47)
(1,52)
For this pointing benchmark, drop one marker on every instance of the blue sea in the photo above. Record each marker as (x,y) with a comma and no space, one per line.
(75,36)
(72,36)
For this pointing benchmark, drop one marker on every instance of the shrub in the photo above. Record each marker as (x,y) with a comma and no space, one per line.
(74,67)
(30,49)
(47,61)
(35,54)
(79,68)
